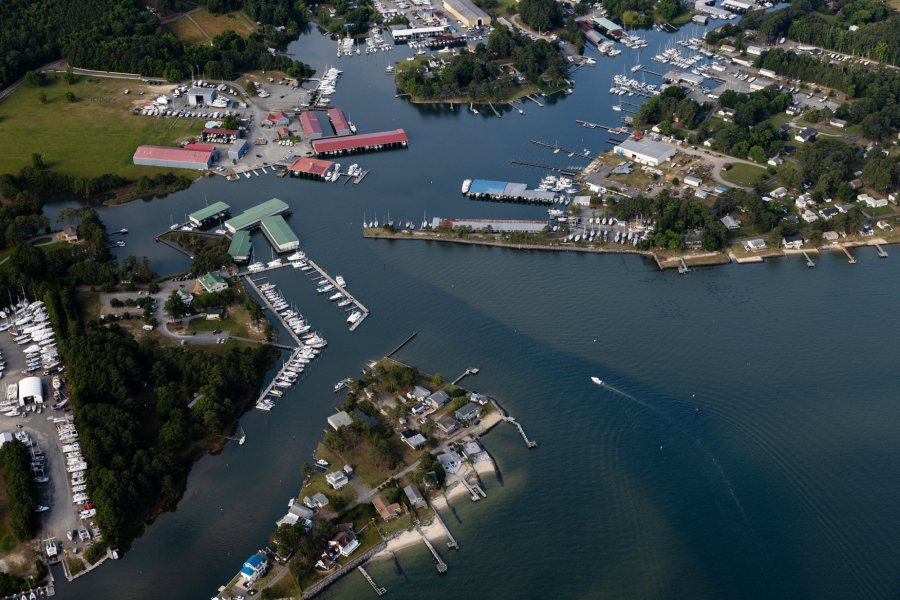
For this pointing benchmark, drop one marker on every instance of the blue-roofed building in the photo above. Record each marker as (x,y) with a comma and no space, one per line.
(483,186)
(254,567)
(720,189)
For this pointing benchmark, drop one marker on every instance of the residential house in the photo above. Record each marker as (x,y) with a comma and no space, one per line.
(418,393)
(297,512)
(446,424)
(414,496)
(413,438)
(856,184)
(69,233)
(754,245)
(893,198)
(831,236)
(469,412)
(807,135)
(337,479)
(345,542)
(866,230)
(419,408)
(775,161)
(215,314)
(212,283)
(340,419)
(804,201)
(884,225)
(727,114)
(827,213)
(843,208)
(792,241)
(730,223)
(254,567)
(779,193)
(838,123)
(318,500)
(809,216)
(438,399)
(451,461)
(385,510)
(473,451)
(186,297)
(872,202)
(709,143)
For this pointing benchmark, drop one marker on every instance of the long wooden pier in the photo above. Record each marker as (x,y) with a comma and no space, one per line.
(533,100)
(469,371)
(881,252)
(646,70)
(452,543)
(395,350)
(809,261)
(378,590)
(341,289)
(570,152)
(852,260)
(272,308)
(506,417)
(528,164)
(441,565)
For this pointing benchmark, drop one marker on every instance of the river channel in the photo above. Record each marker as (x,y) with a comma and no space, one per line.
(782,486)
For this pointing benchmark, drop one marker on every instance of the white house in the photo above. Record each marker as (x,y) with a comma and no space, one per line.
(418,393)
(779,193)
(731,223)
(775,161)
(212,283)
(809,216)
(872,202)
(337,479)
(804,201)
(318,500)
(254,567)
(413,438)
(792,241)
(754,245)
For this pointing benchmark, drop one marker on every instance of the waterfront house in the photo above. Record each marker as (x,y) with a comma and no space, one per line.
(345,542)
(69,233)
(419,408)
(451,461)
(831,236)
(318,500)
(469,412)
(413,438)
(418,393)
(328,559)
(438,399)
(385,510)
(754,245)
(215,314)
(414,496)
(884,225)
(213,283)
(297,512)
(792,241)
(446,424)
(254,567)
(340,419)
(473,451)
(337,479)
(866,230)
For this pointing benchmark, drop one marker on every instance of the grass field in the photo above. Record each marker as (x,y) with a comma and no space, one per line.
(743,174)
(213,25)
(286,587)
(87,138)
(186,31)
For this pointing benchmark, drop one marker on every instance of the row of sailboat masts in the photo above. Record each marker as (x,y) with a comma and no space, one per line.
(375,224)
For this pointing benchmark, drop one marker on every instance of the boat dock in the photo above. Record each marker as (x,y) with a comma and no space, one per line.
(646,70)
(881,252)
(568,152)
(271,385)
(272,308)
(521,112)
(452,543)
(844,248)
(506,417)
(533,99)
(469,371)
(441,565)
(378,590)
(528,164)
(360,177)
(353,301)
(394,351)
(682,269)
(809,261)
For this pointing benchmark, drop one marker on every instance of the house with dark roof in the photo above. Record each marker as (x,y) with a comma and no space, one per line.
(468,412)
(807,135)
(438,399)
(413,438)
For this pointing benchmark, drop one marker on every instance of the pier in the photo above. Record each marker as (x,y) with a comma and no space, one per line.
(844,248)
(809,261)
(340,288)
(682,269)
(441,565)
(630,104)
(646,70)
(360,177)
(493,109)
(568,152)
(528,164)
(881,252)
(272,308)
(395,350)
(469,371)
(506,417)
(452,543)
(530,97)
(378,590)
(521,112)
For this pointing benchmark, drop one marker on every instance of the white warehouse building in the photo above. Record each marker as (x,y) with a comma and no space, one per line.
(198,96)
(31,390)
(652,153)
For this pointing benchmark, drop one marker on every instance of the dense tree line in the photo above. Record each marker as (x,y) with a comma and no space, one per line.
(674,217)
(671,105)
(16,461)
(541,15)
(129,477)
(119,35)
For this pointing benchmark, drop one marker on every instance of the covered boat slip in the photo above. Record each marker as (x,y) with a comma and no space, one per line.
(213,211)
(508,192)
(280,234)
(251,217)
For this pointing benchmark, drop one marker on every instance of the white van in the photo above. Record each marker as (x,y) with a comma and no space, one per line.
(148,327)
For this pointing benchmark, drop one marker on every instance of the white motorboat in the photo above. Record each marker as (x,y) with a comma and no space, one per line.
(340,281)
(354,317)
(336,296)
(597,380)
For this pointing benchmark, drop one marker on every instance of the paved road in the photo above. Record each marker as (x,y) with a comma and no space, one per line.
(200,338)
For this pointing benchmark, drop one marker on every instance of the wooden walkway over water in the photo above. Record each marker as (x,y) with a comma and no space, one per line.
(452,543)
(528,164)
(343,290)
(378,590)
(561,149)
(441,565)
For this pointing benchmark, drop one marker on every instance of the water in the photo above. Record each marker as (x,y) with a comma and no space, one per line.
(782,486)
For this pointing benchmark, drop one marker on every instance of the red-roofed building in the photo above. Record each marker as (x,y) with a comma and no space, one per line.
(220,136)
(310,125)
(339,121)
(312,167)
(204,148)
(361,143)
(276,119)
(176,158)
(284,132)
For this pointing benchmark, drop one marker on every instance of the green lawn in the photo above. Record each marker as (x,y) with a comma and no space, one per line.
(881,210)
(743,174)
(86,138)
(285,587)
(42,240)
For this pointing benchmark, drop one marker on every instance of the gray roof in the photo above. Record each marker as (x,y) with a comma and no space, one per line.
(652,150)
(467,9)
(339,419)
(438,398)
(467,409)
(420,392)
(412,492)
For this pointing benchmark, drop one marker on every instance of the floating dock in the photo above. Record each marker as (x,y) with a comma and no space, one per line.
(501,191)
(353,301)
(568,152)
(881,252)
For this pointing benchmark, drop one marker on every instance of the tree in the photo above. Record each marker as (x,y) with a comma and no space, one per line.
(35,78)
(37,160)
(42,98)
(230,122)
(29,261)
(307,471)
(438,380)
(174,307)
(69,77)
(71,97)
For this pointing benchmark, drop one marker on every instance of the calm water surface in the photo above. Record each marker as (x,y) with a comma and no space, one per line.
(784,485)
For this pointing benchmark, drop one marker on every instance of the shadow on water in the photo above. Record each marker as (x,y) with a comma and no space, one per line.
(453,510)
(398,570)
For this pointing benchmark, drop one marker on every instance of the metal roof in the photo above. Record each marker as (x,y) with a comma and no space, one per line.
(210,280)
(240,245)
(606,24)
(221,131)
(251,216)
(209,211)
(360,141)
(466,9)
(311,165)
(310,123)
(655,150)
(338,120)
(278,231)
(173,154)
